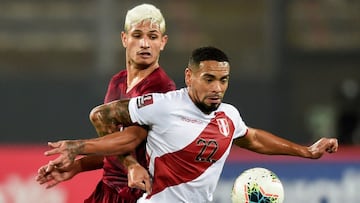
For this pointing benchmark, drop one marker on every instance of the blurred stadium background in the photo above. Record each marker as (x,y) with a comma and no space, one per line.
(295,72)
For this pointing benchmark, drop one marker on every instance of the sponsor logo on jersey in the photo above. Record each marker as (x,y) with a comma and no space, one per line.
(144,100)
(191,120)
(223,126)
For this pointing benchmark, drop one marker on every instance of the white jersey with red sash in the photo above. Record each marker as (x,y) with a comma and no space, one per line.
(187,149)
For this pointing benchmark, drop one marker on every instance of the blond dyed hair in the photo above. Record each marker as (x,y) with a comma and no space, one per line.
(144,12)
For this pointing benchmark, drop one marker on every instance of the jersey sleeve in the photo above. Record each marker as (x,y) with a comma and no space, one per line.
(240,127)
(144,110)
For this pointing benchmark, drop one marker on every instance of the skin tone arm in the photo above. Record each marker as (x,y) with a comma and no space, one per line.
(105,118)
(66,165)
(263,142)
(119,143)
(52,175)
(113,144)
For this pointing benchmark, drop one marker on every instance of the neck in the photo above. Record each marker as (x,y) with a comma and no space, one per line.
(137,74)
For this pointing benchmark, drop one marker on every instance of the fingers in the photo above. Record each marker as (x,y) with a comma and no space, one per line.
(50,167)
(138,185)
(333,146)
(42,170)
(52,152)
(60,163)
(47,178)
(138,177)
(41,179)
(50,175)
(54,144)
(55,148)
(51,184)
(147,183)
(329,145)
(144,185)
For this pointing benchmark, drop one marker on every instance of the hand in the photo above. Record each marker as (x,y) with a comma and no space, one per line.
(55,176)
(329,145)
(68,151)
(138,177)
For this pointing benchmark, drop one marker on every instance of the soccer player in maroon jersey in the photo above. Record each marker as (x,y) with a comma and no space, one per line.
(143,38)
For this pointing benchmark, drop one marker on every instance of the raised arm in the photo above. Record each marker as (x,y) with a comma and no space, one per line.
(264,142)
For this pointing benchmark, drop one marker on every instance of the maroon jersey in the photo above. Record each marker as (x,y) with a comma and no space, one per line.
(115,174)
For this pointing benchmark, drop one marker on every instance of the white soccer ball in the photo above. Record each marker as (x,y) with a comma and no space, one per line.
(257,185)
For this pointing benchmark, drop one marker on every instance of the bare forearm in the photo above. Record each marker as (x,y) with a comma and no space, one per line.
(117,143)
(89,163)
(106,119)
(263,142)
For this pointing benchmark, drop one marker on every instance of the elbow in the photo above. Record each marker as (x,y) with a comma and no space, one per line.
(95,115)
(128,149)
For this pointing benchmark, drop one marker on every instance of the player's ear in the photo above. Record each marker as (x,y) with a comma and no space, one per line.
(123,37)
(188,73)
(164,40)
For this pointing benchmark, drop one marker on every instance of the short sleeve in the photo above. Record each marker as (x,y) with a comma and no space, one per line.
(143,109)
(240,127)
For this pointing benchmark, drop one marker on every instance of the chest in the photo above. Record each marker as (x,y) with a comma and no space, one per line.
(189,132)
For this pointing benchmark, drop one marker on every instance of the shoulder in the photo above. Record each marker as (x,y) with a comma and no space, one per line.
(173,95)
(159,81)
(228,106)
(162,99)
(230,109)
(161,71)
(120,76)
(160,75)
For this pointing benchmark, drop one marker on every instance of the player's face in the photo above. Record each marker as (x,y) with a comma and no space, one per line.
(143,43)
(207,85)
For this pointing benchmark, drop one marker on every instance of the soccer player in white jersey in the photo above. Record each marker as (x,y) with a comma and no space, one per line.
(189,134)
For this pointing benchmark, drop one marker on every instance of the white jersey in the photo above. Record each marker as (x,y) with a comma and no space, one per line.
(186,148)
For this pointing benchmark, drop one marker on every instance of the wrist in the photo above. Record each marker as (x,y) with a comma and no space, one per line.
(133,165)
(78,167)
(129,161)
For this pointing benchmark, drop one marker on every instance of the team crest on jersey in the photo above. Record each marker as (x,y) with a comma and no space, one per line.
(144,100)
(223,126)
